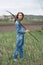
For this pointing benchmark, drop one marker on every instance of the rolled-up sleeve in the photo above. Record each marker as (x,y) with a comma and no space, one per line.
(20,29)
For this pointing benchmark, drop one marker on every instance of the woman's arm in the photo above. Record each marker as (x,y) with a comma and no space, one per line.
(19,29)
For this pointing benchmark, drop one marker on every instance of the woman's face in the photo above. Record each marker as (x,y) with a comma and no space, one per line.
(20,16)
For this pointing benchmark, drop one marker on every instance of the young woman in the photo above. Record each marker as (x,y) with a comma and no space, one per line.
(20,36)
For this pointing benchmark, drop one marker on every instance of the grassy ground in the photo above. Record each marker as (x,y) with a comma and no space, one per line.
(25,20)
(6,22)
(33,50)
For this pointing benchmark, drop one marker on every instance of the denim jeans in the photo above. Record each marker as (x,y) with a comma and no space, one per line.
(19,48)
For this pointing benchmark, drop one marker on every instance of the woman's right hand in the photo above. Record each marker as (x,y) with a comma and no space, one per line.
(13,19)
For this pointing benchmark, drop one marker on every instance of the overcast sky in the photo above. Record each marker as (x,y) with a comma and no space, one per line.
(31,7)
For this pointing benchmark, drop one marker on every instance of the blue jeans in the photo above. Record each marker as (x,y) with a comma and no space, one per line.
(19,48)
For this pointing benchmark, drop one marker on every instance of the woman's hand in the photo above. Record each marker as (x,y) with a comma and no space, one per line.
(13,19)
(27,30)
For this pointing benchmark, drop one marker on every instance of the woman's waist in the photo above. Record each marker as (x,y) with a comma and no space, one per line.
(20,35)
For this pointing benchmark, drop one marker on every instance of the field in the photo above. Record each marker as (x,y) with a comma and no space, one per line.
(33,50)
(27,19)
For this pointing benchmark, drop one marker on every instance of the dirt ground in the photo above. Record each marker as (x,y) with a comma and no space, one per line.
(34,26)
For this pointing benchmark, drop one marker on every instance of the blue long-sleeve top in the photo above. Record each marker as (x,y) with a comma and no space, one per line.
(19,27)
(20,33)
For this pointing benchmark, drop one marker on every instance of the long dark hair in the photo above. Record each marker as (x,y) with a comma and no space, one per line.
(16,17)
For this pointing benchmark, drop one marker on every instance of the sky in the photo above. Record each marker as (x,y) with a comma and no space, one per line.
(29,7)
